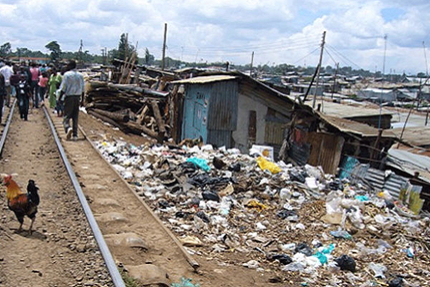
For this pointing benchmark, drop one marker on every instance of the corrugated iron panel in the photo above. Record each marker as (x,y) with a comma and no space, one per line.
(220,138)
(394,184)
(223,105)
(325,150)
(274,133)
(376,178)
(299,153)
(205,79)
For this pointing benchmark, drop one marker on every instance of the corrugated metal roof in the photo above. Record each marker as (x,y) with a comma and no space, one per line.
(349,111)
(394,184)
(349,126)
(416,136)
(410,163)
(205,79)
(376,178)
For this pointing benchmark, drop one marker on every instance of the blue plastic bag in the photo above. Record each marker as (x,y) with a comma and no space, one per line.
(199,162)
(185,283)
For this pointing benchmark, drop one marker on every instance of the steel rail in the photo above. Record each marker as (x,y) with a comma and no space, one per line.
(107,256)
(6,128)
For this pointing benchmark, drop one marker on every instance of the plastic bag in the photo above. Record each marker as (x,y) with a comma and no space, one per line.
(264,164)
(378,269)
(185,283)
(199,162)
(341,234)
(346,263)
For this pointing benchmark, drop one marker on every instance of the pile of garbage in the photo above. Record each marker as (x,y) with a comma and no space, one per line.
(305,226)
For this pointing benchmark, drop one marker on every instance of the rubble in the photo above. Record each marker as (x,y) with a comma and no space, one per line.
(299,223)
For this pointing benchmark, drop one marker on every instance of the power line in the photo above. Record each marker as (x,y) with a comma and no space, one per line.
(342,56)
(331,57)
(306,55)
(274,45)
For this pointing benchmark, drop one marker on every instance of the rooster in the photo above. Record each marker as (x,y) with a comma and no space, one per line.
(20,203)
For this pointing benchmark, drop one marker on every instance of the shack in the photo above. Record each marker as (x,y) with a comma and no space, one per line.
(231,110)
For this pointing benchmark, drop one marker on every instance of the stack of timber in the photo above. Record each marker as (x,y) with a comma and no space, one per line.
(129,107)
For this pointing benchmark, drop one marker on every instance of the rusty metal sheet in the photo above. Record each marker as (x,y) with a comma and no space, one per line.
(326,150)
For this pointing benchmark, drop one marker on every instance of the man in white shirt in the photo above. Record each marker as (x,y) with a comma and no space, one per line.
(7,71)
(72,90)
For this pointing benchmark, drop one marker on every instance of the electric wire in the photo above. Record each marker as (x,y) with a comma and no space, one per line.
(306,56)
(342,56)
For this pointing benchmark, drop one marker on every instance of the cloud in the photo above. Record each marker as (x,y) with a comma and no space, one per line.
(278,31)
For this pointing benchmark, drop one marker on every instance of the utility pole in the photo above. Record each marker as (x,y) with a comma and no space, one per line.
(80,50)
(383,73)
(126,47)
(385,52)
(425,57)
(319,69)
(164,47)
(252,62)
(334,80)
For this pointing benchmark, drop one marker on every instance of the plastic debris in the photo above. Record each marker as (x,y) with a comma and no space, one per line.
(185,283)
(251,264)
(282,258)
(346,263)
(219,207)
(378,269)
(257,205)
(264,164)
(396,282)
(303,248)
(199,162)
(362,198)
(341,234)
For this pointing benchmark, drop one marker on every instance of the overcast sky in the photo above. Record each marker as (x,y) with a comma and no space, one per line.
(278,31)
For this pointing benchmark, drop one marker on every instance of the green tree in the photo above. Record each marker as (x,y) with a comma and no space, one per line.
(149,59)
(5,49)
(55,49)
(124,49)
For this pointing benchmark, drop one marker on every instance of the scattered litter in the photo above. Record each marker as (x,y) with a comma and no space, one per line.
(346,263)
(310,222)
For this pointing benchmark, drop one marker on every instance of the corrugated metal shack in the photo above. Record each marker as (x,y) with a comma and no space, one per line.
(234,110)
(231,110)
(323,140)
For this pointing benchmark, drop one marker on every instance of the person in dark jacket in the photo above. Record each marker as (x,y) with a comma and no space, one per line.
(3,94)
(23,95)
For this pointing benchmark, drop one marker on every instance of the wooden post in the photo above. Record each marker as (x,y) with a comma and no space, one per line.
(164,47)
(319,70)
(158,118)
(252,62)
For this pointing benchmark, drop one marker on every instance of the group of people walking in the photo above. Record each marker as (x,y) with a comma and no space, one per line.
(33,83)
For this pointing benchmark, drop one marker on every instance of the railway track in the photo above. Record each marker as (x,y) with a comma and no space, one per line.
(89,222)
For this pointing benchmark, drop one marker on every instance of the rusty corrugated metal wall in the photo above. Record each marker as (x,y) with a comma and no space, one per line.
(223,106)
(222,113)
(326,150)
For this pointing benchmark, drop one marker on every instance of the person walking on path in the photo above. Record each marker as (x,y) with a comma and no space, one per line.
(2,94)
(43,82)
(23,95)
(54,84)
(7,71)
(72,89)
(35,73)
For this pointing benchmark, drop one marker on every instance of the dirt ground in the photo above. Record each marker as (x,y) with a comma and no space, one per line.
(61,251)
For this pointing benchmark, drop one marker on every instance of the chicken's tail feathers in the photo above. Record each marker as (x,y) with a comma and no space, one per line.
(32,192)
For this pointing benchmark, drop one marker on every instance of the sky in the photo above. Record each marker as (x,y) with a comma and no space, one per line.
(277,31)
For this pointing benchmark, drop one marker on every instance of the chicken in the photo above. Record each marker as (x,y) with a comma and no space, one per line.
(20,203)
